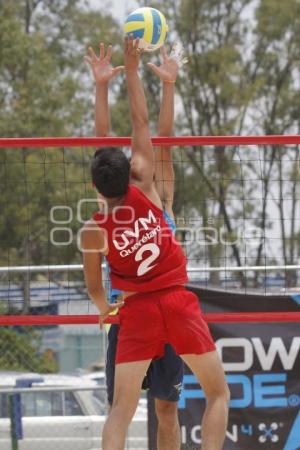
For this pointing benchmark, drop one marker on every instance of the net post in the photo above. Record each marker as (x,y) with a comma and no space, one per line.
(13,416)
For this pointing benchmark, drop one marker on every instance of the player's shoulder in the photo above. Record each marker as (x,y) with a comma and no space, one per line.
(90,224)
(147,194)
(90,233)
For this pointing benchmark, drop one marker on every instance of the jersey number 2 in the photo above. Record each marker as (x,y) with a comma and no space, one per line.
(145,266)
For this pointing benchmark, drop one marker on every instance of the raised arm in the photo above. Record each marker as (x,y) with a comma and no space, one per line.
(142,160)
(103,72)
(164,171)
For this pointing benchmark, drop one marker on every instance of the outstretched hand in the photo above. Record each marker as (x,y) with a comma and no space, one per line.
(170,64)
(132,53)
(101,66)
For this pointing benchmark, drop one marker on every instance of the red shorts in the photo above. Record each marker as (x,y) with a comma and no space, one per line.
(150,320)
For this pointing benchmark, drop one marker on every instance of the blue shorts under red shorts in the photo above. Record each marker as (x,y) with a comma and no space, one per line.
(148,321)
(163,379)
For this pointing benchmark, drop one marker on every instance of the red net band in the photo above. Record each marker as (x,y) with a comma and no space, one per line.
(157,141)
(93,319)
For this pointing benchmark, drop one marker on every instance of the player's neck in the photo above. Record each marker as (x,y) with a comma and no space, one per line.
(113,202)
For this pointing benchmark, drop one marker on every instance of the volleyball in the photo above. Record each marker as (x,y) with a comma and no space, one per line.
(149,25)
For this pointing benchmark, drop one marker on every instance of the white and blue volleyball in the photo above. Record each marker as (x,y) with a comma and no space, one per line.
(149,25)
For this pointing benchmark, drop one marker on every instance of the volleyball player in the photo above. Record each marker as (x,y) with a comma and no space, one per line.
(149,266)
(164,376)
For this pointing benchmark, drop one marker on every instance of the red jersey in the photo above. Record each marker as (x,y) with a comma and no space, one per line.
(143,255)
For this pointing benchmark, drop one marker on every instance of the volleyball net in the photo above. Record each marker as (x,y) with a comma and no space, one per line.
(236,206)
(237,209)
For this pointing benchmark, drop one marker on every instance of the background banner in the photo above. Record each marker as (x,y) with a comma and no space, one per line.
(262,367)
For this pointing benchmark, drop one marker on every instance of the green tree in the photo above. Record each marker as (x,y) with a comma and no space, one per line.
(277,106)
(45,90)
(241,78)
(215,90)
(19,350)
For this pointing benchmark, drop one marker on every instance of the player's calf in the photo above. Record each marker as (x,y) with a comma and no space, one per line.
(168,433)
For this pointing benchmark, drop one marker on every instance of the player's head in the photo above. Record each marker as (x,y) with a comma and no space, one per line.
(110,172)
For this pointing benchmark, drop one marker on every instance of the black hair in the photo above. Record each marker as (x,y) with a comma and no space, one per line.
(110,172)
